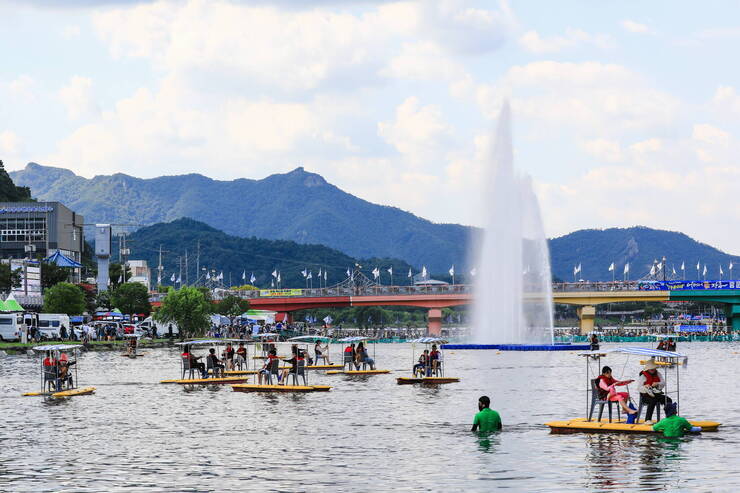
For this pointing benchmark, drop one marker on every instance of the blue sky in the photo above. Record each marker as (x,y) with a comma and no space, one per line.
(624,112)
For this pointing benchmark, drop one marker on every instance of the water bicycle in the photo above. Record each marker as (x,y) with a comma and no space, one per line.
(272,372)
(325,357)
(132,346)
(350,359)
(595,396)
(190,365)
(59,377)
(427,369)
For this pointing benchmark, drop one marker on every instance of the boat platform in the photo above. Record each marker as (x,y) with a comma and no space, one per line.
(426,380)
(207,381)
(231,373)
(358,372)
(64,393)
(280,388)
(581,425)
(316,367)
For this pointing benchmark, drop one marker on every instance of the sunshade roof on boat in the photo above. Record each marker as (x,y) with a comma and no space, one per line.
(641,351)
(57,347)
(354,339)
(429,340)
(309,338)
(205,341)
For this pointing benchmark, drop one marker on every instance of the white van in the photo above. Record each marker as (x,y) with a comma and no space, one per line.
(162,327)
(10,326)
(50,323)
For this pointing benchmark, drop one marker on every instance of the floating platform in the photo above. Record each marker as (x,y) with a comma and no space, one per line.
(521,347)
(207,381)
(426,380)
(231,373)
(316,367)
(581,425)
(358,372)
(280,388)
(64,393)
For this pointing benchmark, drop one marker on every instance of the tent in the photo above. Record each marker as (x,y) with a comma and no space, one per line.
(266,316)
(11,305)
(61,260)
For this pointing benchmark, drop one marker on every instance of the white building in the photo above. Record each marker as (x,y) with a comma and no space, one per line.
(140,272)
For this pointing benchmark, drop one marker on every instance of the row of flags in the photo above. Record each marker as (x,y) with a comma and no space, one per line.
(657,267)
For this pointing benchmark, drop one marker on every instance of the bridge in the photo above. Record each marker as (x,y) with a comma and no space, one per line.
(584,295)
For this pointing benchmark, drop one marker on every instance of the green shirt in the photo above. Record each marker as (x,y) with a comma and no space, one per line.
(487,420)
(672,426)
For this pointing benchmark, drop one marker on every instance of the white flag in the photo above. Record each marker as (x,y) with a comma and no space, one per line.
(252,278)
(452,271)
(705,270)
(674,270)
(309,276)
(721,273)
(221,276)
(319,272)
(208,276)
(390,270)
(278,277)
(473,272)
(173,277)
(325,275)
(683,266)
(576,269)
(179,281)
(652,270)
(304,272)
(626,268)
(423,271)
(730,265)
(328,319)
(348,272)
(120,279)
(272,283)
(409,276)
(244,275)
(698,266)
(275,273)
(660,266)
(376,273)
(611,267)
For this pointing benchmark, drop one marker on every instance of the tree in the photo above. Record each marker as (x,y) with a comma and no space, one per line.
(9,279)
(232,306)
(131,298)
(115,272)
(188,308)
(103,300)
(64,297)
(52,274)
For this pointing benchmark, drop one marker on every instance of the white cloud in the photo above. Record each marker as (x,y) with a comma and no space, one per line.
(417,131)
(77,97)
(70,32)
(423,61)
(603,149)
(531,41)
(635,27)
(726,99)
(23,87)
(9,142)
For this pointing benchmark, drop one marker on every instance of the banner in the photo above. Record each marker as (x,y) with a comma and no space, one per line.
(686,285)
(281,292)
(691,328)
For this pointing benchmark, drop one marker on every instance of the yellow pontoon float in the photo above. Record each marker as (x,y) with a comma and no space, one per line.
(56,380)
(187,367)
(350,361)
(669,360)
(431,370)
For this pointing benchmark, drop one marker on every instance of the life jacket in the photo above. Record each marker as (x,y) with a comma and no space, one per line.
(650,378)
(49,361)
(603,394)
(348,349)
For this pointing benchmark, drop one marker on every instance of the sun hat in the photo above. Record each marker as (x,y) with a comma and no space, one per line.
(650,365)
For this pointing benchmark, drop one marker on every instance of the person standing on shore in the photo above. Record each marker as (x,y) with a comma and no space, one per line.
(486,420)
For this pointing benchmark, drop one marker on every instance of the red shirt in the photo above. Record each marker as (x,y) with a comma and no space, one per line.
(50,361)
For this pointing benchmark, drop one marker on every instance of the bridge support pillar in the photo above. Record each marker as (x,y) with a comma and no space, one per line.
(587,315)
(434,322)
(733,317)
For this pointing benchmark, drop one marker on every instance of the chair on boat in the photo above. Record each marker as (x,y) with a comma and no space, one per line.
(643,402)
(348,360)
(273,368)
(239,362)
(598,398)
(438,369)
(215,371)
(300,371)
(322,357)
(51,380)
(186,367)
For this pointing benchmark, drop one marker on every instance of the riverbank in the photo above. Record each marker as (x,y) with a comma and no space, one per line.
(18,347)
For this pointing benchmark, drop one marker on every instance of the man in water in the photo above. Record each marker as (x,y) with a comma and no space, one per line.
(673,425)
(487,420)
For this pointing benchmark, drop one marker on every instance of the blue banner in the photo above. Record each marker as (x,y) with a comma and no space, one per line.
(686,285)
(691,328)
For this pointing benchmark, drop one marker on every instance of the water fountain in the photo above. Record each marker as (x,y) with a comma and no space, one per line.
(513,290)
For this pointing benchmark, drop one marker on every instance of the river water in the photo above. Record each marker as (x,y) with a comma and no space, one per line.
(369,434)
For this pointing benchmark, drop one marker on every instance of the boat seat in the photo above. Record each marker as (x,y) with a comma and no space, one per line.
(273,368)
(596,400)
(239,362)
(300,372)
(324,357)
(216,371)
(187,368)
(348,361)
(50,380)
(657,406)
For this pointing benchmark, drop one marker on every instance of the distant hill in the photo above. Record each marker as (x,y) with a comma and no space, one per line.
(596,249)
(232,255)
(297,206)
(9,192)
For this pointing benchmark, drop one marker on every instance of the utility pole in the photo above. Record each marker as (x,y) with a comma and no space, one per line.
(179,278)
(159,267)
(187,283)
(197,265)
(123,253)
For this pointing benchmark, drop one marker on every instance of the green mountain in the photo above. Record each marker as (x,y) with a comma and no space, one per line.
(233,256)
(297,206)
(596,249)
(9,192)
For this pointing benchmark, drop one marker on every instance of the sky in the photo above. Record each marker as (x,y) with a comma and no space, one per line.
(624,112)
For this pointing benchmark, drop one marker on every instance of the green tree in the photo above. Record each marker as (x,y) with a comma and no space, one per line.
(232,306)
(52,274)
(188,308)
(115,272)
(103,300)
(9,279)
(131,298)
(64,297)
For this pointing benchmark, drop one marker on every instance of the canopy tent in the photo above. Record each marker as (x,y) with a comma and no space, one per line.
(61,260)
(11,305)
(4,307)
(220,320)
(266,316)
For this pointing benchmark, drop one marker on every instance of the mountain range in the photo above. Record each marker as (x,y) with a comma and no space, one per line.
(297,206)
